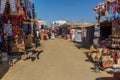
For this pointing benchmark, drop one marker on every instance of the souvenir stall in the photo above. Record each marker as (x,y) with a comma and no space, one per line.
(112,43)
(64,31)
(87,35)
(13,35)
(110,46)
(13,31)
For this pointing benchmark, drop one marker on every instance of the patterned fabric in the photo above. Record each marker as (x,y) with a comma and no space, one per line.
(13,5)
(2,6)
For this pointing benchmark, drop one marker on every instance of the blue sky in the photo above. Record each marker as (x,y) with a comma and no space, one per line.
(70,10)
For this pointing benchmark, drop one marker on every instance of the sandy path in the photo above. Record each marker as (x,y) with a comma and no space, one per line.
(60,60)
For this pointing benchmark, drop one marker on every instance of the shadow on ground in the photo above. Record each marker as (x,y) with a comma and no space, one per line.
(3,70)
(107,78)
(35,55)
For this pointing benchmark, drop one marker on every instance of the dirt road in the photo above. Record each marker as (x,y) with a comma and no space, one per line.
(60,60)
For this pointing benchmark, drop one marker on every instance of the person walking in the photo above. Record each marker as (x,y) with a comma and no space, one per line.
(49,35)
(37,40)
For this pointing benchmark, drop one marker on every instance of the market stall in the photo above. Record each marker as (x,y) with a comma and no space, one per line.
(110,46)
(13,31)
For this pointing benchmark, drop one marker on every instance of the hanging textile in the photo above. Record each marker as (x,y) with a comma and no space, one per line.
(2,6)
(113,9)
(13,5)
(28,6)
(109,13)
(25,28)
(116,12)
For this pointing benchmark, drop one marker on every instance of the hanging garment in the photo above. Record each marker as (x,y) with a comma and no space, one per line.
(29,28)
(13,5)
(109,13)
(113,9)
(30,9)
(2,6)
(116,15)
